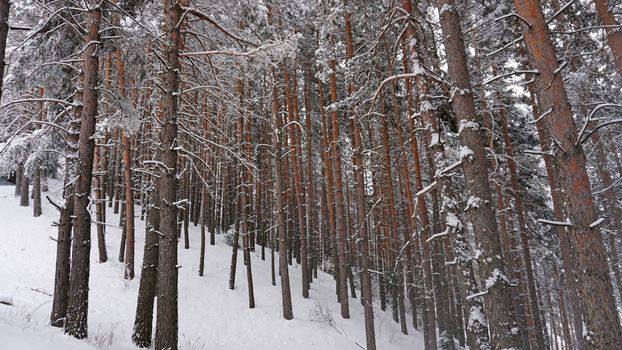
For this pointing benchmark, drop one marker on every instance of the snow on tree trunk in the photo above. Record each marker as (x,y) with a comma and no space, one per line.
(286,296)
(601,326)
(498,299)
(77,308)
(167,308)
(4,31)
(340,224)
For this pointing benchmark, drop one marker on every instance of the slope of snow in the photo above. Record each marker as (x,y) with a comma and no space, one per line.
(211,316)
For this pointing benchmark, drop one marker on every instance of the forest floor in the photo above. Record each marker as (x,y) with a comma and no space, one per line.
(211,316)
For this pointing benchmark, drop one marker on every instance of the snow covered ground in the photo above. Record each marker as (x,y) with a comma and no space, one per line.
(211,316)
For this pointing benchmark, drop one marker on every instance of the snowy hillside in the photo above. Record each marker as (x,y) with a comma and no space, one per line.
(211,315)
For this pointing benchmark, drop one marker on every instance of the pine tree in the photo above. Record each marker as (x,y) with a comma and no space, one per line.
(601,327)
(480,206)
(167,309)
(77,307)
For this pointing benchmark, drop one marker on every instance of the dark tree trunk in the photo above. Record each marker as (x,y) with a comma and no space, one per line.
(65,226)
(127,174)
(143,323)
(19,173)
(204,213)
(611,206)
(614,37)
(36,190)
(236,234)
(77,308)
(247,241)
(186,212)
(564,241)
(123,230)
(24,192)
(534,314)
(4,31)
(311,211)
(63,252)
(99,208)
(292,111)
(117,180)
(167,308)
(129,208)
(498,299)
(328,174)
(339,202)
(286,296)
(361,207)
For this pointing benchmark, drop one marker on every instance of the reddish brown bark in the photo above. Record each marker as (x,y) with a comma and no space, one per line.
(361,205)
(297,178)
(312,219)
(167,310)
(77,309)
(614,37)
(328,170)
(127,173)
(280,215)
(612,206)
(481,210)
(339,202)
(602,327)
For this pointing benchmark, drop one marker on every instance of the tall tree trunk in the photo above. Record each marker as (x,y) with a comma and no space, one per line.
(564,241)
(339,202)
(236,233)
(422,205)
(286,296)
(498,299)
(614,37)
(361,205)
(612,206)
(395,258)
(328,173)
(297,180)
(129,208)
(65,224)
(477,329)
(245,204)
(601,327)
(167,309)
(77,308)
(101,152)
(312,220)
(127,173)
(534,309)
(511,254)
(409,213)
(4,32)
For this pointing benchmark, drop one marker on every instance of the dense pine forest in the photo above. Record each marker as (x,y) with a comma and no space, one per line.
(452,165)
